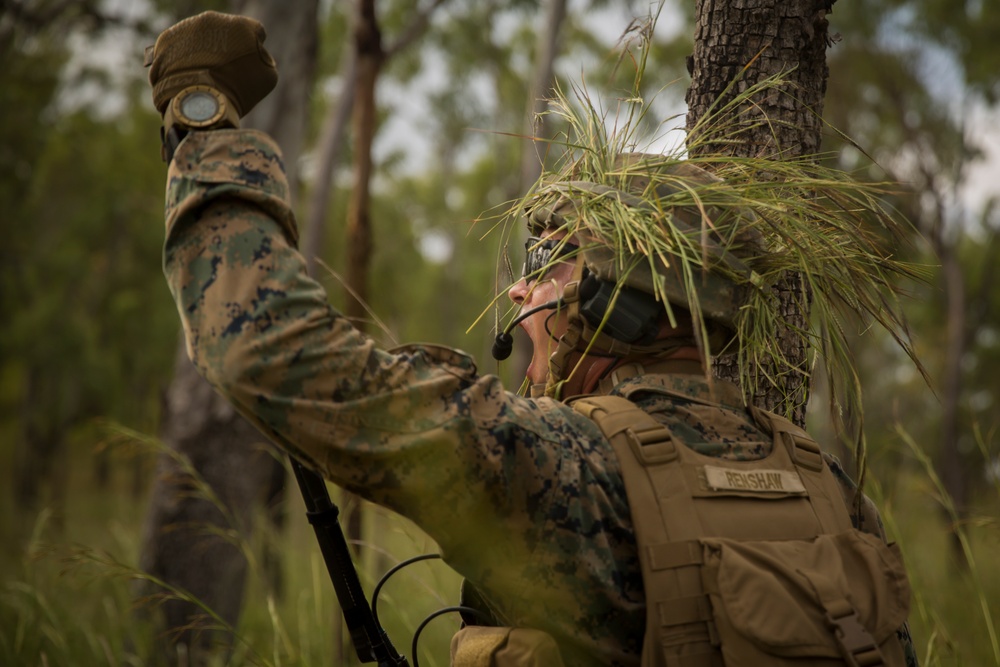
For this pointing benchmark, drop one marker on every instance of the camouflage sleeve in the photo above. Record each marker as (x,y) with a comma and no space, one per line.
(495,478)
(864,515)
(397,428)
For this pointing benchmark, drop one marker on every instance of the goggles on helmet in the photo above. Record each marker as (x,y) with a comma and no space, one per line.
(539,253)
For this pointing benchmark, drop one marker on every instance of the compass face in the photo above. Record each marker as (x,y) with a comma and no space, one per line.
(199,106)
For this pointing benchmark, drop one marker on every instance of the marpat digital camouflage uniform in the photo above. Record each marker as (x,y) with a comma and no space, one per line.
(523,496)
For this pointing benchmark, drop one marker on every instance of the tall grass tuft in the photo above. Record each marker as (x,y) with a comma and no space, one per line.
(956,604)
(71,600)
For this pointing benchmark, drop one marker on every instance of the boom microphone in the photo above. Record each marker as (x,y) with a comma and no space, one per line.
(504,343)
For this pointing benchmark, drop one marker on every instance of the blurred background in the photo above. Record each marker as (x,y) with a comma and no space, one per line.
(115,460)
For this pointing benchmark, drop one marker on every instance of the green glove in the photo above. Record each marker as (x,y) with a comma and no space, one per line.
(221,51)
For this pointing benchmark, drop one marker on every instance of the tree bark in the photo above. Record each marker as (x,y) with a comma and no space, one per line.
(764,38)
(747,41)
(181,537)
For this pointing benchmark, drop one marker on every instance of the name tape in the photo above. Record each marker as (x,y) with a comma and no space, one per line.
(754,481)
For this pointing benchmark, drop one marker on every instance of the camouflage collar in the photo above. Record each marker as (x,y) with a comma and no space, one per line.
(680,379)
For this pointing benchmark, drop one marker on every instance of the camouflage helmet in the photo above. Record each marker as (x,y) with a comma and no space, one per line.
(709,243)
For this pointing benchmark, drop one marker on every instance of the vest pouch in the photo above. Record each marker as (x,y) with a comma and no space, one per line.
(834,599)
(480,646)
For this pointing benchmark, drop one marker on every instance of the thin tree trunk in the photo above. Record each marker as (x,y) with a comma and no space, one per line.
(39,443)
(368,47)
(546,48)
(953,474)
(954,477)
(535,148)
(331,146)
(367,60)
(752,41)
(332,136)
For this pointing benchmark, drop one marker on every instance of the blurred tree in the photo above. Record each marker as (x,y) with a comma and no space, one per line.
(368,56)
(543,77)
(912,80)
(76,291)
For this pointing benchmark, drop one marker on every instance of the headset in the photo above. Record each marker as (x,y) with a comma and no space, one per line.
(633,317)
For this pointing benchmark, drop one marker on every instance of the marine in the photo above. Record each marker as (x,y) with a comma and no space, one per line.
(525,495)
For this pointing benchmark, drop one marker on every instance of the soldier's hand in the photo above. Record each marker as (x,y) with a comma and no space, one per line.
(222,51)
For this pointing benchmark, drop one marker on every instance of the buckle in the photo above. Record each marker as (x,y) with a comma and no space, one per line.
(805,452)
(856,644)
(651,444)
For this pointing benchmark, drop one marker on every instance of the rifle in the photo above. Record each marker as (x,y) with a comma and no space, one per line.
(370,641)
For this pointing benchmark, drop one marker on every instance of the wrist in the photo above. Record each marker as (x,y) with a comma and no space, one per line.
(197,107)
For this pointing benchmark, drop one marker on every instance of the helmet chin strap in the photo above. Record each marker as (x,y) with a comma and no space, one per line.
(558,373)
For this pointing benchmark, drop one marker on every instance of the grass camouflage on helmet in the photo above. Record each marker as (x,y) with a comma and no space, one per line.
(645,186)
(712,233)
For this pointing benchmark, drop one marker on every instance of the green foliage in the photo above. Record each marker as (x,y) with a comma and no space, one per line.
(954,610)
(82,277)
(67,599)
(966,31)
(89,329)
(73,605)
(906,83)
(89,326)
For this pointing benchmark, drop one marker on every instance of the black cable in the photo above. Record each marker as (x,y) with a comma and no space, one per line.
(393,570)
(441,612)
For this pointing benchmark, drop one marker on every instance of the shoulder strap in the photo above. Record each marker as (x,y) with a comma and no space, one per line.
(669,554)
(827,498)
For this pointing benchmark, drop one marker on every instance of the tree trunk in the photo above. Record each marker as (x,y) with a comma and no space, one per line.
(293,40)
(39,450)
(765,37)
(368,48)
(181,537)
(331,146)
(546,48)
(536,126)
(951,461)
(213,452)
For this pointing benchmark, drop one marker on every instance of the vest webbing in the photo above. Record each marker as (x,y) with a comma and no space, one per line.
(672,506)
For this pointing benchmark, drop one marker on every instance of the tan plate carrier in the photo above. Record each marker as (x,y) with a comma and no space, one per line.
(744,563)
(751,562)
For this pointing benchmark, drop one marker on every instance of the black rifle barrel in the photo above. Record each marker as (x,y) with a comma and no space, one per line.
(370,641)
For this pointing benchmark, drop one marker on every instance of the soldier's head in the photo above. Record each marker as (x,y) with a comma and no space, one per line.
(646,264)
